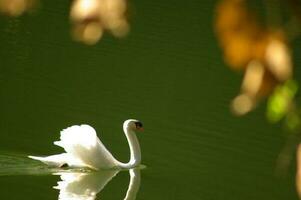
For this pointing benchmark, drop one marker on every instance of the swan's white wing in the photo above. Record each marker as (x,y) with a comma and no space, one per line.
(82,144)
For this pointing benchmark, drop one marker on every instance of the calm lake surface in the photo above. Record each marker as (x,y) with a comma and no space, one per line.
(168,73)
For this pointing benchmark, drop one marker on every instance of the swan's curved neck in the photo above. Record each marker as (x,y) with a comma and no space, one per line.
(135,151)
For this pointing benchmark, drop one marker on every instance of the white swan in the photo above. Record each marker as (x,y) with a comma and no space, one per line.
(84,149)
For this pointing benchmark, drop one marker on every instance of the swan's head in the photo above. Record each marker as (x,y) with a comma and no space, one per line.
(133,124)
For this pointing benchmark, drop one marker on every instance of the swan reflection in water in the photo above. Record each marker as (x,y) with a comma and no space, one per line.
(85,186)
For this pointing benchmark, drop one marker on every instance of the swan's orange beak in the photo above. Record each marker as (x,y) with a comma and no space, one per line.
(140,129)
(139,126)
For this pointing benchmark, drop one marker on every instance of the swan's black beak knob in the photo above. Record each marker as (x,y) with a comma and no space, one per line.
(139,126)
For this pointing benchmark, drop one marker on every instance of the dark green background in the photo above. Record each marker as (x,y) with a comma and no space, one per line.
(168,73)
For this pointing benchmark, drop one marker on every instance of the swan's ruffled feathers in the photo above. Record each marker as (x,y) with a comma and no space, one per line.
(82,143)
(84,135)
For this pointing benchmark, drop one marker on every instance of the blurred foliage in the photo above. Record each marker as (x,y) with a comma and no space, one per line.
(260,48)
(261,52)
(16,8)
(89,18)
(279,103)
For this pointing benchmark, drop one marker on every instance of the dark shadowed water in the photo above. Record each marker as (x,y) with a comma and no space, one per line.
(168,73)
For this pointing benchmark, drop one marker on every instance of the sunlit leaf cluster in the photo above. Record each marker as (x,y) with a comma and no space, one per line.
(89,18)
(262,53)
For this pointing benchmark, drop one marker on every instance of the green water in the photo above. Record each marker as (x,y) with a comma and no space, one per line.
(168,73)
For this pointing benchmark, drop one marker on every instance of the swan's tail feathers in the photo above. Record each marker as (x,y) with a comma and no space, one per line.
(54,160)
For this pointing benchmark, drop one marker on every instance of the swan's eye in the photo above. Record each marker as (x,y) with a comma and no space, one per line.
(139,125)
